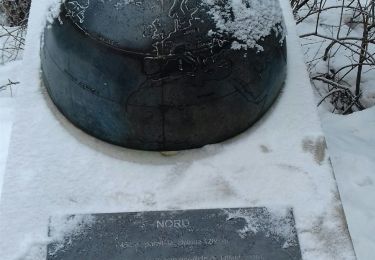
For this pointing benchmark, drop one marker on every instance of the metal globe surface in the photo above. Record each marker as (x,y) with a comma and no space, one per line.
(164,75)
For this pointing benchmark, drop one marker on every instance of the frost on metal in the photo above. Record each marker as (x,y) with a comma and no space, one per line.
(247,21)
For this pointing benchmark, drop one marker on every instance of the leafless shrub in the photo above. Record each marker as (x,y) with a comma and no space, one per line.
(16,11)
(13,30)
(12,41)
(9,86)
(345,47)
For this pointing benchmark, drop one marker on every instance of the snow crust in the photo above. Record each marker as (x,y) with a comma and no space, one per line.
(55,169)
(277,224)
(61,227)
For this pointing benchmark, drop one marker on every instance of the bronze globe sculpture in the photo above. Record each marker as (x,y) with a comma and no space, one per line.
(164,74)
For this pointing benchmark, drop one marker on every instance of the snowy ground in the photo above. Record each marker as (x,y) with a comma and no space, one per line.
(6,114)
(351,144)
(351,139)
(8,71)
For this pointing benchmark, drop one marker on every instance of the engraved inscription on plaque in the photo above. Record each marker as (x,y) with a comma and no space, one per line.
(215,234)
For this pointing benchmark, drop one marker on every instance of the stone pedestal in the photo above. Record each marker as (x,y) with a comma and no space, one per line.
(54,168)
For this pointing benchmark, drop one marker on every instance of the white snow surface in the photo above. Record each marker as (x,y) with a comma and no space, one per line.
(351,142)
(8,72)
(54,168)
(6,120)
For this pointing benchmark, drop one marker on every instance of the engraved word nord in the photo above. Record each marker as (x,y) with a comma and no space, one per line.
(173,223)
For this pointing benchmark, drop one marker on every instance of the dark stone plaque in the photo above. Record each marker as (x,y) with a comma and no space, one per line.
(217,234)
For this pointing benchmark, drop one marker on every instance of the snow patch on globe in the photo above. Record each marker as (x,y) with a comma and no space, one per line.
(247,21)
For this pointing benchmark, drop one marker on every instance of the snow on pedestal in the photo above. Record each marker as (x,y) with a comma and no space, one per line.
(54,168)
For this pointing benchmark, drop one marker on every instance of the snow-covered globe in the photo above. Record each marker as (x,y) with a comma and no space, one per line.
(165,74)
